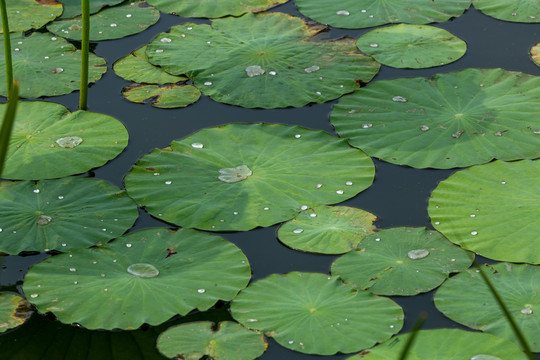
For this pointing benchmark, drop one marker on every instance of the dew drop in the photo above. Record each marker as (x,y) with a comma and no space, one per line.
(143,270)
(298,136)
(254,70)
(252,320)
(33,296)
(484,357)
(424,127)
(57,70)
(348,183)
(312,69)
(159,51)
(503,182)
(340,192)
(318,186)
(273,73)
(46,57)
(236,174)
(53,38)
(266,208)
(536,132)
(197,145)
(313,215)
(318,93)
(399,99)
(113,25)
(453,260)
(208,83)
(303,207)
(298,231)
(165,40)
(457,134)
(374,45)
(168,182)
(291,342)
(367,126)
(526,311)
(72,269)
(128,245)
(342,13)
(378,239)
(235,213)
(69,142)
(201,291)
(189,28)
(44,220)
(36,191)
(417,254)
(17,49)
(156,174)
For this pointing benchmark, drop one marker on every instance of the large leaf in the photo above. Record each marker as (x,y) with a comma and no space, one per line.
(213,8)
(327,230)
(367,13)
(412,46)
(145,277)
(72,8)
(466,298)
(316,314)
(452,120)
(401,261)
(526,11)
(62,214)
(14,311)
(48,141)
(30,14)
(164,96)
(492,210)
(265,61)
(240,176)
(131,17)
(46,65)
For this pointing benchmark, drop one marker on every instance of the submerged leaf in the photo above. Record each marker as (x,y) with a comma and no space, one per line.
(14,311)
(164,96)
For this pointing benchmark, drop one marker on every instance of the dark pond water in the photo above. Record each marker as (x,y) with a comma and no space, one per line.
(398,196)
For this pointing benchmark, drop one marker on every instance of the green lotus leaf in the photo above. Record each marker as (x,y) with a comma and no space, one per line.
(72,8)
(131,17)
(491,210)
(62,214)
(412,46)
(135,67)
(327,229)
(14,311)
(401,261)
(316,314)
(230,341)
(466,299)
(49,142)
(240,176)
(47,66)
(354,14)
(213,8)
(535,54)
(455,119)
(145,277)
(30,14)
(445,344)
(164,96)
(526,11)
(266,61)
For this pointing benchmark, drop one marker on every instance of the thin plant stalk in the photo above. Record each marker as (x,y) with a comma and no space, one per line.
(7,123)
(414,332)
(7,47)
(85,49)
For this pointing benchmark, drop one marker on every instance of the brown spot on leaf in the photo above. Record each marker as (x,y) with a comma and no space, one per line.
(171,252)
(47,2)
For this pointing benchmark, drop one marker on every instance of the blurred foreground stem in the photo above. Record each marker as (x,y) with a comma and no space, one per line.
(7,47)
(85,44)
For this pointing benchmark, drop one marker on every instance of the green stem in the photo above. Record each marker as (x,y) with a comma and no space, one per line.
(85,49)
(7,123)
(7,47)
(416,327)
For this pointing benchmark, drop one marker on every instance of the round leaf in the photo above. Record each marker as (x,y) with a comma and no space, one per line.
(466,298)
(265,61)
(316,314)
(492,210)
(401,261)
(535,54)
(230,341)
(46,65)
(30,14)
(355,14)
(72,8)
(165,96)
(240,176)
(48,141)
(526,11)
(194,271)
(452,120)
(412,46)
(327,230)
(213,8)
(14,311)
(62,214)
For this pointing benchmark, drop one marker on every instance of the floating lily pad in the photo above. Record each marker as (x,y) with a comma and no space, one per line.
(230,341)
(213,8)
(526,11)
(131,17)
(48,141)
(401,261)
(412,46)
(445,344)
(452,120)
(316,314)
(72,8)
(535,54)
(62,214)
(46,65)
(265,61)
(145,277)
(354,14)
(492,210)
(162,96)
(327,230)
(291,168)
(466,298)
(14,311)
(30,14)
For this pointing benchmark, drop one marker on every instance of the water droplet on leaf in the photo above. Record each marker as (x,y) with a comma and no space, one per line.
(312,69)
(417,254)
(298,231)
(69,142)
(399,99)
(236,174)
(43,220)
(143,270)
(342,13)
(254,70)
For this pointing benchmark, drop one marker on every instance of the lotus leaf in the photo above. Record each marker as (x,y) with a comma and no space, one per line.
(46,65)
(145,277)
(535,54)
(354,14)
(48,141)
(72,8)
(452,120)
(230,341)
(412,46)
(292,169)
(466,298)
(30,14)
(265,61)
(445,344)
(62,214)
(131,17)
(213,8)
(526,11)
(316,314)
(327,229)
(164,96)
(401,261)
(491,210)
(14,311)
